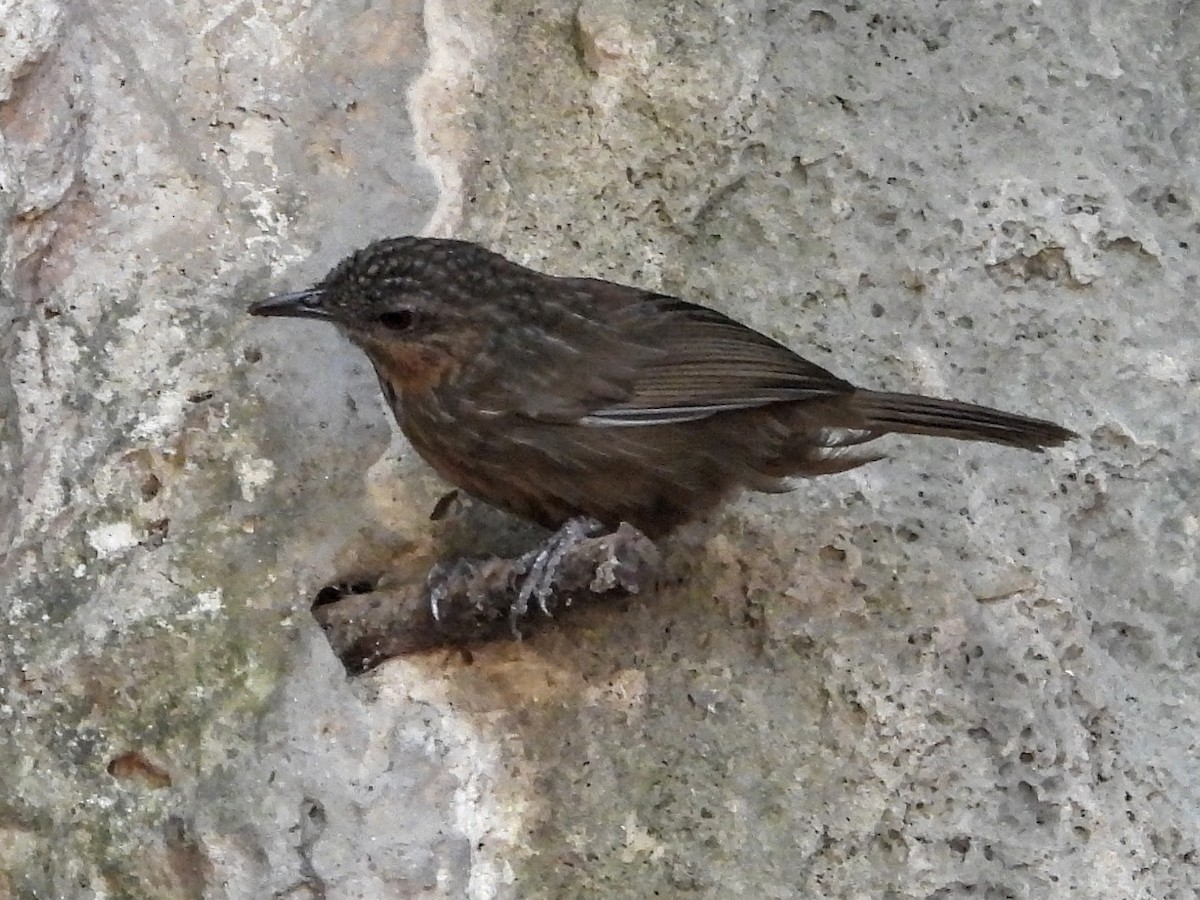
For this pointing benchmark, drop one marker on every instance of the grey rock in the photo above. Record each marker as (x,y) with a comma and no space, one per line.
(961,672)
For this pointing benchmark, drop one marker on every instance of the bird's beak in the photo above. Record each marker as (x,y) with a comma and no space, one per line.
(306,304)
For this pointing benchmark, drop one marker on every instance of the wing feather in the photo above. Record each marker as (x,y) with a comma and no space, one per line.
(709,364)
(606,355)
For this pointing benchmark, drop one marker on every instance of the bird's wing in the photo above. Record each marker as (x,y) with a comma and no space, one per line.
(627,357)
(709,364)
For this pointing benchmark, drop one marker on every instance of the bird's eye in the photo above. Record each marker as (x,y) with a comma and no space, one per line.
(398,320)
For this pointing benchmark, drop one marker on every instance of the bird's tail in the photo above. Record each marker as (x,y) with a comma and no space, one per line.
(914,414)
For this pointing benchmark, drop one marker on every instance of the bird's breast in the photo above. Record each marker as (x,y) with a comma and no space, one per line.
(412,367)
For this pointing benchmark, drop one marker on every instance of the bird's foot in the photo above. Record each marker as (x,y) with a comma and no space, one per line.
(440,581)
(470,599)
(540,565)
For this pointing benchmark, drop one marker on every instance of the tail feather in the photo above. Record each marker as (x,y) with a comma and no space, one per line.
(914,414)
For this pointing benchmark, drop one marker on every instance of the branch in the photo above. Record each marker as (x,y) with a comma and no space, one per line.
(367,623)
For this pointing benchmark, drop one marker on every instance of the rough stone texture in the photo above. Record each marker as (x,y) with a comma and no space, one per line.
(966,672)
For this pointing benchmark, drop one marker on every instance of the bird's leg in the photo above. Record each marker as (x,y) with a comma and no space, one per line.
(541,564)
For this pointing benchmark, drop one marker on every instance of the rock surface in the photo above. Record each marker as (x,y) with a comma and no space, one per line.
(961,672)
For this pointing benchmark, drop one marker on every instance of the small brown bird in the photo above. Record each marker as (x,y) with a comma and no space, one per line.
(556,398)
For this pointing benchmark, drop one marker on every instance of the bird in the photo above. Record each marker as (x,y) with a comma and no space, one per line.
(561,399)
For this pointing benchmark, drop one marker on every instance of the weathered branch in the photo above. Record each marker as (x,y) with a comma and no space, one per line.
(368,622)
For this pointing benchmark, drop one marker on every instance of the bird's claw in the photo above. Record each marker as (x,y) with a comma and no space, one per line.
(439,581)
(541,565)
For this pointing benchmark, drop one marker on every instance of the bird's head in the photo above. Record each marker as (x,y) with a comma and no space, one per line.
(411,303)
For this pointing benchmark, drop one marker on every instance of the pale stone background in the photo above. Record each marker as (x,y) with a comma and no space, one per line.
(963,672)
